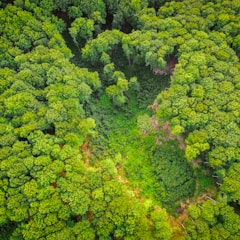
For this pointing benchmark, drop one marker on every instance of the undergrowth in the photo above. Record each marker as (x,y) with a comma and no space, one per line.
(158,173)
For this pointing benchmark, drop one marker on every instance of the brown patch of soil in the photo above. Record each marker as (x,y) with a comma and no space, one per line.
(171,62)
(154,123)
(90,216)
(169,136)
(86,152)
(154,106)
(122,180)
(62,174)
(54,184)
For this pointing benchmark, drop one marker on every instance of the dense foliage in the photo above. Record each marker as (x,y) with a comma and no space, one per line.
(82,156)
(214,219)
(173,176)
(47,189)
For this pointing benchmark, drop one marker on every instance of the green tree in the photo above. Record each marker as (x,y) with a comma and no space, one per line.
(81,28)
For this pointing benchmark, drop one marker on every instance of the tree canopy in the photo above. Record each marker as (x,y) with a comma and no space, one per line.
(52,186)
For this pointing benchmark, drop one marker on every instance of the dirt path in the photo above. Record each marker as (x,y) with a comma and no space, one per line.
(86,152)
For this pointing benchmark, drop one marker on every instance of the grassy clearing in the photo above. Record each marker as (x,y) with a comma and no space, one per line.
(122,136)
(118,131)
(118,134)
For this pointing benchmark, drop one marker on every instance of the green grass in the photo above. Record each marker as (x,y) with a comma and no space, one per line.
(118,133)
(204,181)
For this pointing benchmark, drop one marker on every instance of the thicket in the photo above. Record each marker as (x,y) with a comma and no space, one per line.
(50,189)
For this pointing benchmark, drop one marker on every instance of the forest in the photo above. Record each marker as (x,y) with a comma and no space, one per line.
(120,120)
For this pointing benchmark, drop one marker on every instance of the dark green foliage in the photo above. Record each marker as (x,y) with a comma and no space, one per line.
(6,230)
(156,3)
(174,178)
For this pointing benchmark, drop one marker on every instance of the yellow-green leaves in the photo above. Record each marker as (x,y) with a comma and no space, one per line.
(81,28)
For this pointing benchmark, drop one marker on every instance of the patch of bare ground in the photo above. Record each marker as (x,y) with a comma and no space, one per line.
(171,62)
(168,136)
(121,180)
(86,151)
